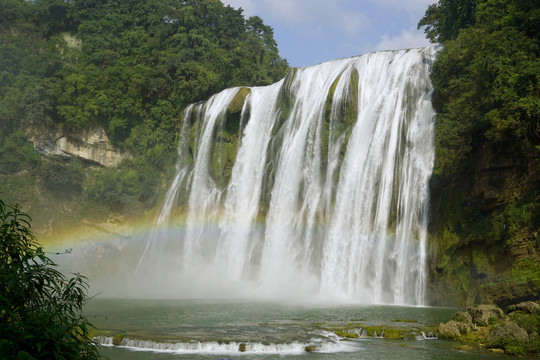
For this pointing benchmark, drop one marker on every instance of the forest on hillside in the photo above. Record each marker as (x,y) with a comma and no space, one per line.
(128,67)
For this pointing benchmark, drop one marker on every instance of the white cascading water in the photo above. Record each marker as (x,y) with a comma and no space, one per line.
(317,206)
(324,344)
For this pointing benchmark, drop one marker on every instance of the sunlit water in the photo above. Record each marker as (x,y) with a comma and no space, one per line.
(202,329)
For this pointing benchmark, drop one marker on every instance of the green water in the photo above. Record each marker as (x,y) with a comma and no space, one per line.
(270,331)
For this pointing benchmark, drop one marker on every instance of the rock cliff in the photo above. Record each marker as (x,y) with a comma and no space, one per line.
(89,145)
(484,232)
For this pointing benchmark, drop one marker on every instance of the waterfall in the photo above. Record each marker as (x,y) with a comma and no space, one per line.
(313,187)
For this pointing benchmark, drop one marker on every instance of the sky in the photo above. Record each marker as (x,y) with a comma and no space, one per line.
(309,32)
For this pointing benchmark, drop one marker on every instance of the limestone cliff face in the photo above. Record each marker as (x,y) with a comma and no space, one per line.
(89,145)
(484,234)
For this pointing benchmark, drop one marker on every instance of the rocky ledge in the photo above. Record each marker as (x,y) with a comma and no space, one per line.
(90,145)
(515,332)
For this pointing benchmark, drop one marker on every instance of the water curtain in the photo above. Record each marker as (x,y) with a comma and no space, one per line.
(315,186)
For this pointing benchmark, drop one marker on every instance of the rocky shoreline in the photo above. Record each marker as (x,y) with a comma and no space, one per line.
(514,332)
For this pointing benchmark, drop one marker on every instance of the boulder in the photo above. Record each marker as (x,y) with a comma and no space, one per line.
(528,307)
(450,330)
(463,317)
(482,313)
(503,333)
(463,321)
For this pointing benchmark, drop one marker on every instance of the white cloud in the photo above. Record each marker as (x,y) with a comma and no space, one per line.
(410,38)
(411,7)
(318,14)
(306,15)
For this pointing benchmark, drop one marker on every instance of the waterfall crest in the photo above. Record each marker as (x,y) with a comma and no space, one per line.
(313,187)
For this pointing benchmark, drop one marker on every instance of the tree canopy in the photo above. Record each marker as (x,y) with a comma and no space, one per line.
(109,62)
(485,78)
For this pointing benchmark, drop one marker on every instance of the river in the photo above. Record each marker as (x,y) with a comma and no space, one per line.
(219,329)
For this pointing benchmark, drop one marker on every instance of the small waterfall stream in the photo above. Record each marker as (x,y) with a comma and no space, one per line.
(313,187)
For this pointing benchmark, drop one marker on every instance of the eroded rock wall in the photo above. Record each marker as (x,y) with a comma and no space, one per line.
(484,232)
(89,145)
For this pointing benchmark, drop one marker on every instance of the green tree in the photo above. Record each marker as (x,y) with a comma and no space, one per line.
(486,78)
(62,176)
(130,188)
(444,19)
(17,154)
(40,308)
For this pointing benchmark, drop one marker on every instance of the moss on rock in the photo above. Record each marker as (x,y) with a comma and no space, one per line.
(237,103)
(486,220)
(226,141)
(339,117)
(482,314)
(463,317)
(507,332)
(515,333)
(449,330)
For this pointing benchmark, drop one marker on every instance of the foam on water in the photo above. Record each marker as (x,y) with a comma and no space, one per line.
(332,345)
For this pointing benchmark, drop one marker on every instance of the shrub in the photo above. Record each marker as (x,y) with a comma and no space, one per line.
(128,188)
(40,308)
(59,174)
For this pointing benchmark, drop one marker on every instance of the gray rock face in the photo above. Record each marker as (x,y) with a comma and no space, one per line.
(482,313)
(91,145)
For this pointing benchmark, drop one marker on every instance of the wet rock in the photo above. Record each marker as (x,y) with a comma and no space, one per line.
(117,340)
(310,348)
(242,347)
(450,330)
(497,351)
(237,103)
(482,313)
(503,333)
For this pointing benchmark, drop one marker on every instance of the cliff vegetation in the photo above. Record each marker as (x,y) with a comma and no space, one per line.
(127,68)
(485,240)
